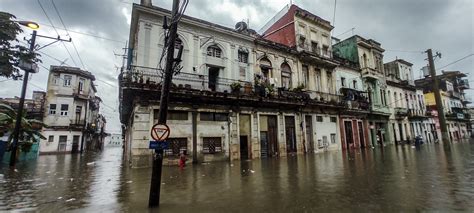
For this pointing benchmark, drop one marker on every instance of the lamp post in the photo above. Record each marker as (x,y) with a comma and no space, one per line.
(16,131)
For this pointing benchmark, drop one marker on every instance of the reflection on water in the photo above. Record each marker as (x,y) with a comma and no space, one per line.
(392,179)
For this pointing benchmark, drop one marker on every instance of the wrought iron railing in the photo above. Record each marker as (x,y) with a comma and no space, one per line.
(152,76)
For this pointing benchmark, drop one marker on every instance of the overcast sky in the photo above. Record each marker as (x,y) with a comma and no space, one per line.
(405,28)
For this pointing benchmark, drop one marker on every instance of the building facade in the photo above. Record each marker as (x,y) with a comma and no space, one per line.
(72,111)
(452,86)
(367,55)
(238,95)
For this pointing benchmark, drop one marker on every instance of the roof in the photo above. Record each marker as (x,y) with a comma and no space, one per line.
(402,61)
(248,34)
(72,70)
(308,15)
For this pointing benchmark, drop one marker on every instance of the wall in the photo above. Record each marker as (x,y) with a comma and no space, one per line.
(283,30)
(52,147)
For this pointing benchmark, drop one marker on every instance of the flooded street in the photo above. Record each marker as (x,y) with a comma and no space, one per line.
(392,179)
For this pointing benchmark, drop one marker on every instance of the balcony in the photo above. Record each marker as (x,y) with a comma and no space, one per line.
(77,124)
(463,84)
(401,112)
(354,99)
(454,94)
(467,100)
(457,116)
(414,114)
(368,72)
(141,83)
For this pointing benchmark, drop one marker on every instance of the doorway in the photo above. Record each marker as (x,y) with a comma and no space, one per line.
(244,148)
(309,133)
(268,136)
(361,135)
(75,144)
(348,131)
(290,134)
(400,129)
(213,81)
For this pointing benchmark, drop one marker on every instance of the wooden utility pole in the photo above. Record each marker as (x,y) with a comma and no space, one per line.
(155,186)
(439,103)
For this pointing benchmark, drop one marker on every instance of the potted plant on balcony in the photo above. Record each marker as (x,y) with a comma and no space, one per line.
(235,87)
(299,88)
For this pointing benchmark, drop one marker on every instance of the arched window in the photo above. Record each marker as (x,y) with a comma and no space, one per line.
(285,76)
(266,67)
(178,43)
(214,51)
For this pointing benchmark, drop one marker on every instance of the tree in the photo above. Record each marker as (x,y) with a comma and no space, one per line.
(30,128)
(11,53)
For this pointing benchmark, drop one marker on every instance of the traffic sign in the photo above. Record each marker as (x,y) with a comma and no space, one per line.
(160,132)
(158,145)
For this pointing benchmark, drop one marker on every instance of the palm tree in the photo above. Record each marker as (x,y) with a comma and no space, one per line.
(30,128)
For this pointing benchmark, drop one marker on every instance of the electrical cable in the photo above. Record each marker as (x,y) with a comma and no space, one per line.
(46,14)
(72,41)
(456,61)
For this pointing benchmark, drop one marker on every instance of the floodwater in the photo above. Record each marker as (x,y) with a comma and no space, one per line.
(390,179)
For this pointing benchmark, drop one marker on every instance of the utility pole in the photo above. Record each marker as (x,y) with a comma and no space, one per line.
(439,102)
(16,131)
(155,186)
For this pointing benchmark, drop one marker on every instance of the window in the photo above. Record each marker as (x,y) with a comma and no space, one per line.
(214,51)
(64,109)
(333,138)
(285,76)
(62,143)
(176,146)
(319,118)
(343,82)
(333,119)
(318,79)
(354,84)
(52,109)
(51,138)
(243,73)
(243,57)
(305,76)
(177,115)
(178,43)
(326,50)
(67,80)
(78,109)
(211,116)
(314,47)
(81,84)
(211,145)
(56,79)
(329,85)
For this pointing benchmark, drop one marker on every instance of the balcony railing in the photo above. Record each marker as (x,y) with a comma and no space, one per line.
(454,94)
(316,50)
(152,77)
(400,111)
(413,113)
(463,84)
(371,72)
(149,78)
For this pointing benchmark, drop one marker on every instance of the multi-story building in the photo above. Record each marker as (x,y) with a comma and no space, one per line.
(238,95)
(353,121)
(367,55)
(71,113)
(452,86)
(34,107)
(406,103)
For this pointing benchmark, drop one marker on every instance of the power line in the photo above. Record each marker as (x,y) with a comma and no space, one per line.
(46,14)
(405,51)
(65,28)
(457,61)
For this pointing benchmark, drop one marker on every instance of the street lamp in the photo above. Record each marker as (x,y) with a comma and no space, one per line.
(16,131)
(29,24)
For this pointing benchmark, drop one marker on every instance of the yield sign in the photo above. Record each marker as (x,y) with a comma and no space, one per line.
(160,132)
